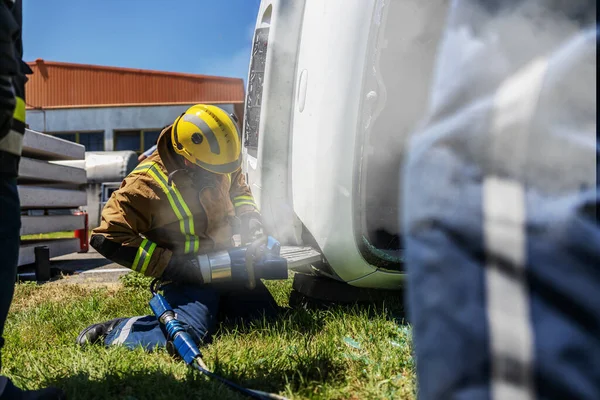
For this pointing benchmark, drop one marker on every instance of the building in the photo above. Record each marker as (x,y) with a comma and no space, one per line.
(110,108)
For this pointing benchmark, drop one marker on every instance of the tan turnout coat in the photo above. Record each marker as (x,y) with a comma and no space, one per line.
(151,220)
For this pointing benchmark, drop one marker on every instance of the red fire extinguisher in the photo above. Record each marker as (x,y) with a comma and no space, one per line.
(82,234)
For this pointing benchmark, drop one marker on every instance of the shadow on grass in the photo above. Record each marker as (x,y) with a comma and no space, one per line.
(301,320)
(302,315)
(311,367)
(313,292)
(142,385)
(162,385)
(389,302)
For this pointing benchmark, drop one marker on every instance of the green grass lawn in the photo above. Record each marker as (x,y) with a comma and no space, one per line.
(51,235)
(336,353)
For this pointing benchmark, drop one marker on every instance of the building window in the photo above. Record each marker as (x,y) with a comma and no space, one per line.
(71,137)
(93,141)
(150,138)
(138,141)
(128,140)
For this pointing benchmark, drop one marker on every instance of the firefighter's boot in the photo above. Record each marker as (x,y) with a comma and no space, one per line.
(96,333)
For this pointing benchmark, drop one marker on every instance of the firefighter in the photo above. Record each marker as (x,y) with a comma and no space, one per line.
(13,75)
(187,198)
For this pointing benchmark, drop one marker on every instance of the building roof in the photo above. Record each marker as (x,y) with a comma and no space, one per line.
(65,85)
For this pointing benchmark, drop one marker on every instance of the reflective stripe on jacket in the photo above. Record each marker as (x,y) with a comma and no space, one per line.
(149,218)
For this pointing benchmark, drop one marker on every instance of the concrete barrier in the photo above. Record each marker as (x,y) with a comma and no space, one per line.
(52,195)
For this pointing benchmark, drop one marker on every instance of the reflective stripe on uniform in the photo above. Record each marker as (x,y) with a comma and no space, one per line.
(143,256)
(180,208)
(19,113)
(12,142)
(504,208)
(125,331)
(244,203)
(239,201)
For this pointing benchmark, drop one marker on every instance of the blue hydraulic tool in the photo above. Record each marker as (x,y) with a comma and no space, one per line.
(259,260)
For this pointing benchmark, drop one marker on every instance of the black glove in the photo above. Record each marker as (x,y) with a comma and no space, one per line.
(183,269)
(251,228)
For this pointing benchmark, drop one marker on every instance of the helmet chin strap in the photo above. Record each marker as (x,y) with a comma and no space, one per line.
(186,170)
(191,169)
(172,174)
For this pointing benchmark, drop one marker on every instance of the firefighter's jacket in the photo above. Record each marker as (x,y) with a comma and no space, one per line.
(13,76)
(148,219)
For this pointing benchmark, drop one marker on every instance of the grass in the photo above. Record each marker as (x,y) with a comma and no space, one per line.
(51,235)
(336,353)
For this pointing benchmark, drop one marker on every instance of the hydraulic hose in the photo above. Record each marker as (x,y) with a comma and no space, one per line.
(254,394)
(187,349)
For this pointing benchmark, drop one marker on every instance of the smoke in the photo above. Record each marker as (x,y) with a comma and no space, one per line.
(435,61)
(428,60)
(488,43)
(402,65)
(271,174)
(394,97)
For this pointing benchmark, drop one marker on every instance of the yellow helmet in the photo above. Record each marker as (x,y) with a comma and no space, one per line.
(208,137)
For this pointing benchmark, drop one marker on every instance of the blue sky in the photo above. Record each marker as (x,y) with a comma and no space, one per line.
(195,36)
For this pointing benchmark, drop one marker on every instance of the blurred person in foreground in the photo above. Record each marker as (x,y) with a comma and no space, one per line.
(501,198)
(12,128)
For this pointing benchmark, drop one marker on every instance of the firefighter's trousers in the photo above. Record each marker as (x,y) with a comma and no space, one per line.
(199,308)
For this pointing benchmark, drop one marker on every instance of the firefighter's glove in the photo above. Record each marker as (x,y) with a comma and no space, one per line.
(251,228)
(183,269)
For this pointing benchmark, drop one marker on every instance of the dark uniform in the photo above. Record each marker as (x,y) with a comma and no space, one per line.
(13,75)
(12,88)
(502,237)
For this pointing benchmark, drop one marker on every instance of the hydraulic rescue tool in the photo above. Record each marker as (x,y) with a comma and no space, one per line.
(261,259)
